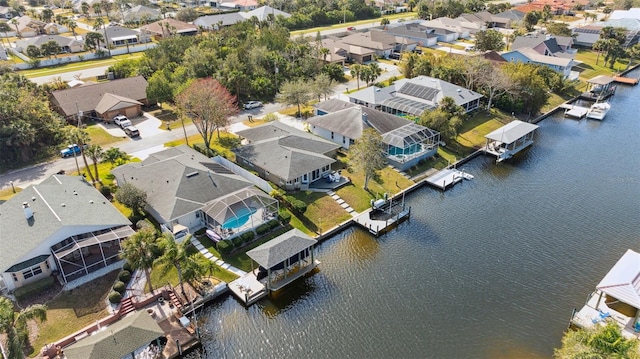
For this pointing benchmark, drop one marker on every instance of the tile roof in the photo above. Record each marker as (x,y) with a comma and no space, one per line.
(59,203)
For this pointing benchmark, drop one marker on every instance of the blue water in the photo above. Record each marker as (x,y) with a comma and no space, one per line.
(407,151)
(489,269)
(242,217)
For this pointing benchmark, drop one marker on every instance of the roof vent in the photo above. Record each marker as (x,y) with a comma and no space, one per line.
(91,201)
(63,204)
(33,199)
(28,211)
(459,90)
(189,175)
(75,193)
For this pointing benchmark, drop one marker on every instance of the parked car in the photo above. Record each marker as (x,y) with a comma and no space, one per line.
(351,28)
(252,104)
(417,50)
(122,121)
(132,131)
(71,150)
(394,56)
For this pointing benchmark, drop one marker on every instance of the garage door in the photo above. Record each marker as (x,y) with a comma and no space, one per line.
(132,112)
(366,58)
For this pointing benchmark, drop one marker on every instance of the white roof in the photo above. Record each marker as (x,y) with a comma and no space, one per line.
(512,131)
(623,280)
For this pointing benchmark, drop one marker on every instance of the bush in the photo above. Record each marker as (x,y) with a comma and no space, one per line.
(144,224)
(106,191)
(205,151)
(33,288)
(296,205)
(127,267)
(124,276)
(115,297)
(273,223)
(224,247)
(247,237)
(270,117)
(237,241)
(263,228)
(284,217)
(119,287)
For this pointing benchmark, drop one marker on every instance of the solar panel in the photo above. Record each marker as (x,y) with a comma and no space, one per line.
(419,91)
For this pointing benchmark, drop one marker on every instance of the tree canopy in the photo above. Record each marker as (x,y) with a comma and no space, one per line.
(366,154)
(131,196)
(489,40)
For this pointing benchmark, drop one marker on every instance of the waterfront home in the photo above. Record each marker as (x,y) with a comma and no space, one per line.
(414,96)
(589,34)
(547,45)
(528,55)
(63,227)
(102,100)
(290,158)
(407,143)
(186,191)
(616,298)
(510,139)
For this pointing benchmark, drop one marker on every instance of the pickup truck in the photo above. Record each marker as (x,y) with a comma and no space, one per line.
(122,121)
(71,150)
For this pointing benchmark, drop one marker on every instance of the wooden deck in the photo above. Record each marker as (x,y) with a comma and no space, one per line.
(445,178)
(588,316)
(626,80)
(179,338)
(574,111)
(379,226)
(248,289)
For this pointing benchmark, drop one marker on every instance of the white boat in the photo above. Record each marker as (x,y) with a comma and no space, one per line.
(598,110)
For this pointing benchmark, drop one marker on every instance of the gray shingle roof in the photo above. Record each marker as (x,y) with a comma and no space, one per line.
(117,340)
(158,27)
(412,30)
(84,206)
(87,97)
(211,21)
(179,180)
(333,105)
(263,12)
(109,100)
(39,40)
(280,248)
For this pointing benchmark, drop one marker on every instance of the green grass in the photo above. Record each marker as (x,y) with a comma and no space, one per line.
(473,130)
(453,46)
(99,136)
(436,162)
(322,212)
(217,144)
(77,66)
(404,15)
(588,68)
(73,310)
(168,114)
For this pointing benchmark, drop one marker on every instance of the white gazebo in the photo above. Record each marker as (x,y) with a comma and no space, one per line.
(510,139)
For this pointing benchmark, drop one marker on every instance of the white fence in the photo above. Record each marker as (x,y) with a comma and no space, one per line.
(259,182)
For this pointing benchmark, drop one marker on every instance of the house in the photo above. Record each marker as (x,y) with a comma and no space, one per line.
(422,35)
(362,47)
(62,226)
(242,5)
(407,143)
(67,45)
(264,12)
(337,53)
(53,29)
(187,190)
(508,17)
(633,13)
(558,7)
(3,54)
(493,56)
(121,36)
(547,45)
(27,27)
(102,100)
(290,158)
(588,35)
(167,27)
(529,55)
(452,29)
(215,22)
(6,12)
(616,298)
(141,13)
(414,96)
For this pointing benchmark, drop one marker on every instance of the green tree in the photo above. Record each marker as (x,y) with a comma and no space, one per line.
(489,40)
(84,8)
(141,250)
(559,29)
(356,72)
(15,325)
(366,154)
(195,267)
(160,88)
(448,105)
(97,9)
(531,19)
(530,91)
(295,93)
(33,51)
(79,136)
(322,86)
(14,22)
(442,122)
(633,53)
(187,15)
(92,40)
(50,48)
(384,21)
(601,341)
(5,28)
(407,65)
(494,83)
(131,196)
(96,153)
(47,15)
(173,254)
(115,156)
(72,25)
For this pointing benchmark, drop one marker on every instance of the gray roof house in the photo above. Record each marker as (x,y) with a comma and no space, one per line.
(87,97)
(413,96)
(215,22)
(416,32)
(141,13)
(187,190)
(290,158)
(121,36)
(263,13)
(61,225)
(547,45)
(407,143)
(66,44)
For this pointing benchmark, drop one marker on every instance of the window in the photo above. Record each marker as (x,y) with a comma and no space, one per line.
(15,277)
(344,140)
(33,271)
(332,135)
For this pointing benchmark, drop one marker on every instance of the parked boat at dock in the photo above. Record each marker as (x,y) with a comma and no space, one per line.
(598,110)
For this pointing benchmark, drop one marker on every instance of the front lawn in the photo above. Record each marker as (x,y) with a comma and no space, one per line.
(73,310)
(322,212)
(168,114)
(99,136)
(220,145)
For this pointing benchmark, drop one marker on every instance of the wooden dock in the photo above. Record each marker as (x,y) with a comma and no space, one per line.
(626,80)
(447,177)
(248,289)
(382,218)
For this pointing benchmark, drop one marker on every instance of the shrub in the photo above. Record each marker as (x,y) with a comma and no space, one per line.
(124,276)
(127,267)
(115,297)
(273,223)
(205,151)
(237,241)
(270,117)
(144,225)
(263,228)
(33,288)
(119,287)
(284,217)
(106,191)
(224,247)
(296,205)
(247,237)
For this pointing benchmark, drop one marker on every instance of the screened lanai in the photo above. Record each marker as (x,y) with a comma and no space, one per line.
(410,142)
(402,105)
(239,212)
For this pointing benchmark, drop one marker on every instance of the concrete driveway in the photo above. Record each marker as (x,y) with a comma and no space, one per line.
(147,124)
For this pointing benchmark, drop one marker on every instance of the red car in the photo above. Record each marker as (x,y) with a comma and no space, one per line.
(351,28)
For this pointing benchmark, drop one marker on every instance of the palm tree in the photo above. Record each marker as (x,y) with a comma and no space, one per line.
(96,26)
(633,52)
(14,21)
(85,8)
(175,254)
(14,325)
(140,251)
(72,26)
(79,136)
(356,70)
(115,155)
(324,52)
(96,153)
(97,9)
(4,27)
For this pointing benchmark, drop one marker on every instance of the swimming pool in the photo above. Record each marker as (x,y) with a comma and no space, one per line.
(414,148)
(242,217)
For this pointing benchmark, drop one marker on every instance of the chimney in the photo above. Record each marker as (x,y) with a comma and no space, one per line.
(28,212)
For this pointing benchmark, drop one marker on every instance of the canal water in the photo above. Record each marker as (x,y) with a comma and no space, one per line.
(490,269)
